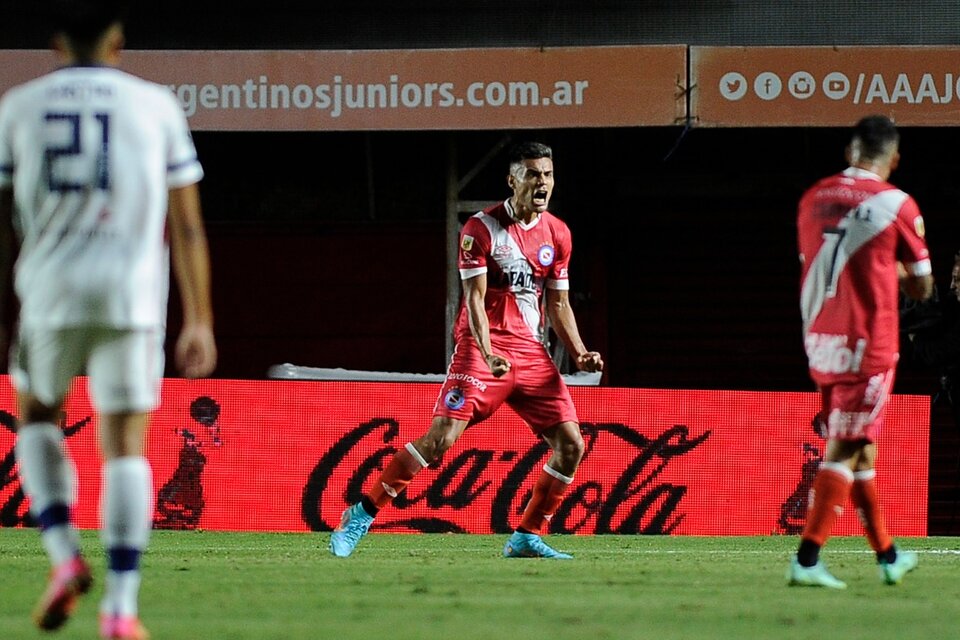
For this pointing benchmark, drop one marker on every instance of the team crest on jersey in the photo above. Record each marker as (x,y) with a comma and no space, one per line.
(545,255)
(467,243)
(455,398)
(918,225)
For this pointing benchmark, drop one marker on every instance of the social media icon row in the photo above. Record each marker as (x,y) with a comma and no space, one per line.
(768,85)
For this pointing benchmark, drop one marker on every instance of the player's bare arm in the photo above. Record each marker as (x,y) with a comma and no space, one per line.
(564,324)
(196,351)
(917,287)
(474,292)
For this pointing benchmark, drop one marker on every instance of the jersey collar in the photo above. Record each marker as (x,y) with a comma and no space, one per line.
(513,216)
(863,174)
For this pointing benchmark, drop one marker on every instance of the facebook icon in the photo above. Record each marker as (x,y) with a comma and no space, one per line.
(767,85)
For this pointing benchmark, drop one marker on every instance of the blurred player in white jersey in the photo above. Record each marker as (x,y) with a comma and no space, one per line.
(861,240)
(97,171)
(514,260)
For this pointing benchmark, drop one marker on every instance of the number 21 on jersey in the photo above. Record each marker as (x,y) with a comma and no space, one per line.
(76,153)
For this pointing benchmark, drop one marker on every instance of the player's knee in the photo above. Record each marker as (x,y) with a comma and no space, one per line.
(433,445)
(442,435)
(444,443)
(572,449)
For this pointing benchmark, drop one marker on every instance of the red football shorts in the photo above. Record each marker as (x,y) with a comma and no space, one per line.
(533,387)
(855,410)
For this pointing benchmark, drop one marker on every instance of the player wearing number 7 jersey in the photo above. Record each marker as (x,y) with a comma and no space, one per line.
(97,175)
(861,240)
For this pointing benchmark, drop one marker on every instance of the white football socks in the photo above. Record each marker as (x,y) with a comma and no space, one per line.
(48,478)
(127,511)
(121,593)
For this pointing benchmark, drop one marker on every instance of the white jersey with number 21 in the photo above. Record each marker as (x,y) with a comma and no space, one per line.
(91,153)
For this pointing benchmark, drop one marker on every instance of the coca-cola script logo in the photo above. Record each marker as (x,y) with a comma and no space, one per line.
(13,508)
(622,490)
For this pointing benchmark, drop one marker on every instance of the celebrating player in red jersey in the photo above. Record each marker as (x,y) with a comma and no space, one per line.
(511,256)
(859,236)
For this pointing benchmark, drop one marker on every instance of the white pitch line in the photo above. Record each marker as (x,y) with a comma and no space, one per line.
(762,552)
(427,550)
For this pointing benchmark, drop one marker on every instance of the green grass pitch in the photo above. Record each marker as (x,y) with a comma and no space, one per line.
(200,585)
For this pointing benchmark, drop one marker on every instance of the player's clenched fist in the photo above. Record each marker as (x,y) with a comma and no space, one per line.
(498,365)
(590,362)
(196,351)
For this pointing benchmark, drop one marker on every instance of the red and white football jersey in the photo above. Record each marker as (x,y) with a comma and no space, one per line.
(519,260)
(853,228)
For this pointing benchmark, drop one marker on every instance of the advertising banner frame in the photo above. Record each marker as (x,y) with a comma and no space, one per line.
(291,455)
(407,89)
(823,86)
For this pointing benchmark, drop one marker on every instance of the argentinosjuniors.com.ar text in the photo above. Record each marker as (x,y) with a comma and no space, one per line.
(339,96)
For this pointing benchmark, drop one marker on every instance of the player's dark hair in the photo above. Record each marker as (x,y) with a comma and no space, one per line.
(875,134)
(83,22)
(528,151)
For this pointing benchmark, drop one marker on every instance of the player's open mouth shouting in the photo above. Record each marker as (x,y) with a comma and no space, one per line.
(540,197)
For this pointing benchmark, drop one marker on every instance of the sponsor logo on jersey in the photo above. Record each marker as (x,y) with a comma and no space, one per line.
(829,353)
(518,279)
(464,377)
(466,243)
(502,251)
(848,424)
(545,255)
(455,398)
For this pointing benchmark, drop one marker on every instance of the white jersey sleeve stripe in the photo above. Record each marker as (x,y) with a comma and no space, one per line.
(922,268)
(184,174)
(466,274)
(559,285)
(180,165)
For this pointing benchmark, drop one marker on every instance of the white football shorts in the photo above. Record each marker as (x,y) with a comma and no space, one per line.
(124,366)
